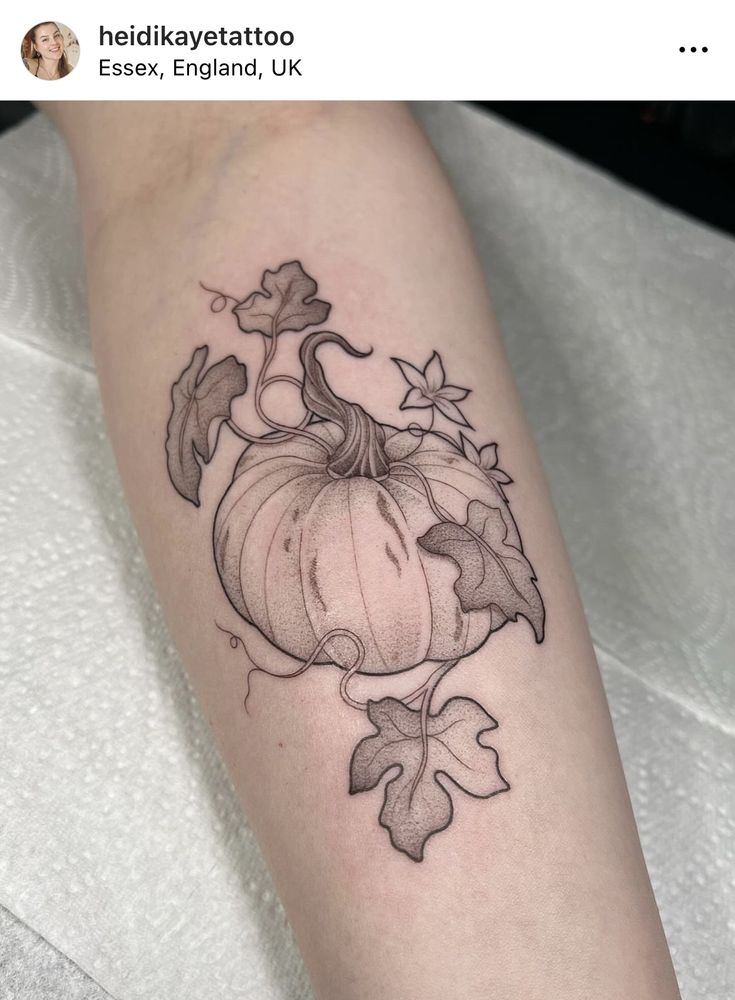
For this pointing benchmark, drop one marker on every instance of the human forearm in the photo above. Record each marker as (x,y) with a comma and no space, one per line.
(539,891)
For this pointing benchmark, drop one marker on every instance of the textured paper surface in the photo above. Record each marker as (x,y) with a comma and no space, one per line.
(121,842)
(30,969)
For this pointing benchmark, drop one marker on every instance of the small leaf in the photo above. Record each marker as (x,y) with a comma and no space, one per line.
(199,400)
(416,804)
(492,573)
(287,300)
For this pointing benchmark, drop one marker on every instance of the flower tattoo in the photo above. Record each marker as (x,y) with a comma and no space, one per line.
(429,388)
(486,458)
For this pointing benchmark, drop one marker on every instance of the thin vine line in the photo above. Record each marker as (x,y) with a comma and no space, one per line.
(260,386)
(283,432)
(431,685)
(237,641)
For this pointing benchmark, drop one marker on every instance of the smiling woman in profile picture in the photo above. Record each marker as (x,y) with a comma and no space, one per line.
(44,51)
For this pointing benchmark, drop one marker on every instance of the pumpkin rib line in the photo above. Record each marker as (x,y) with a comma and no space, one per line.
(316,472)
(252,519)
(384,485)
(275,492)
(267,557)
(385,513)
(243,491)
(301,575)
(273,458)
(432,451)
(466,635)
(481,478)
(432,479)
(504,504)
(306,444)
(359,581)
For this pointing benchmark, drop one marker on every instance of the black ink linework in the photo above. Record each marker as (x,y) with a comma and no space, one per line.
(371,548)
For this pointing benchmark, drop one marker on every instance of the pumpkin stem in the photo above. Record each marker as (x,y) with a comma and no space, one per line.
(362,452)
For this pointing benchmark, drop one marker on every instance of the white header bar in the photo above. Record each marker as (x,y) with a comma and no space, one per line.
(517,50)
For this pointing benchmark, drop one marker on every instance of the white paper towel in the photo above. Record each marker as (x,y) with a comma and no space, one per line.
(30,969)
(122,842)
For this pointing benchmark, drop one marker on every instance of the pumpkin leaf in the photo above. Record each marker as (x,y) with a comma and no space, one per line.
(416,804)
(286,302)
(492,573)
(199,400)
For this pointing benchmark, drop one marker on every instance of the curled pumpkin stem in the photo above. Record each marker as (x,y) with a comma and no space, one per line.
(362,450)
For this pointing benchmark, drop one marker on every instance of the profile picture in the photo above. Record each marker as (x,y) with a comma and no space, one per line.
(50,50)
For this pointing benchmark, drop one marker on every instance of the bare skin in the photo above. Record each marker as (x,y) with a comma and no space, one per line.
(538,892)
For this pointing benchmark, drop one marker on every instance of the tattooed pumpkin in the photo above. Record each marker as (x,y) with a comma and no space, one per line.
(321,533)
(371,547)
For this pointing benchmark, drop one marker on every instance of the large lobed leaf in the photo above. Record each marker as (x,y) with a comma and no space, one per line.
(287,303)
(416,805)
(492,573)
(198,401)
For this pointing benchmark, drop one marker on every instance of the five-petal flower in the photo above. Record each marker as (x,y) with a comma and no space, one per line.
(486,458)
(429,388)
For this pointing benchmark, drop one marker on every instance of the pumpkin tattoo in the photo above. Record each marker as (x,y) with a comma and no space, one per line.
(373,548)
